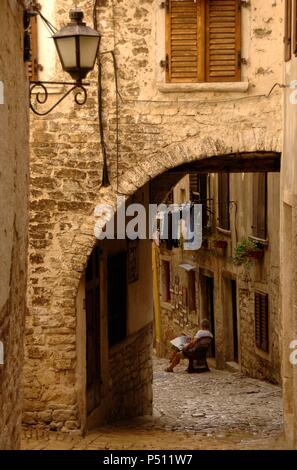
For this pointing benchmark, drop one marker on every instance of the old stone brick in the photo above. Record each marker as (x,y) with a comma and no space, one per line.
(64,415)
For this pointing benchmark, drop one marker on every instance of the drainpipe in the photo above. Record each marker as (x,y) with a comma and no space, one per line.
(156,295)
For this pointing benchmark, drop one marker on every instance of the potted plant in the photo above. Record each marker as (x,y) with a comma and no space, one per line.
(246,250)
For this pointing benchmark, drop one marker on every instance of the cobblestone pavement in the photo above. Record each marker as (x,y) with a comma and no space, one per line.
(215,410)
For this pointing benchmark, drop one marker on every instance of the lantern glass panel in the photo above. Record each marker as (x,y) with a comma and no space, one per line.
(67,50)
(88,51)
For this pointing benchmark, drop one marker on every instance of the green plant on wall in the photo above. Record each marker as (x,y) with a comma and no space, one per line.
(247,249)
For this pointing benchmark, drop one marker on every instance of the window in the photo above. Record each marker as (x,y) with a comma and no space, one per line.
(259,226)
(165,280)
(262,321)
(33,63)
(203,42)
(117,297)
(223,193)
(199,190)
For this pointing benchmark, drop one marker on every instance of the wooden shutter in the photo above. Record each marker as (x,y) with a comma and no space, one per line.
(184,41)
(295,27)
(223,193)
(288,30)
(260,205)
(33,63)
(223,42)
(261,321)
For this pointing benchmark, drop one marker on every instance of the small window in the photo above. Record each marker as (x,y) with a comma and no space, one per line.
(203,41)
(199,189)
(224,200)
(262,321)
(288,30)
(259,226)
(165,281)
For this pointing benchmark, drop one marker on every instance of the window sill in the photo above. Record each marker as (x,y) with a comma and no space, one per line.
(231,87)
(263,241)
(224,231)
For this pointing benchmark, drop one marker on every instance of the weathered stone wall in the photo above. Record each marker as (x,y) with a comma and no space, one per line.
(13,218)
(131,374)
(157,131)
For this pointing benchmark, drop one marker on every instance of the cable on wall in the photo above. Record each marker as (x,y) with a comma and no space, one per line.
(105,175)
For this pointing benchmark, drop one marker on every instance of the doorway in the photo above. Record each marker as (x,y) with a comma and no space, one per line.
(207,304)
(231,320)
(92,296)
(234,320)
(117,297)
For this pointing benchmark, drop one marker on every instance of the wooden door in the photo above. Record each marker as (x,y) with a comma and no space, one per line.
(234,320)
(92,293)
(210,311)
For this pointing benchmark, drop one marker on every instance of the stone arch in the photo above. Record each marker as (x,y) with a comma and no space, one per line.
(162,161)
(67,257)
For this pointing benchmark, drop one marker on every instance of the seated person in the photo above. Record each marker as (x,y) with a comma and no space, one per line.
(191,346)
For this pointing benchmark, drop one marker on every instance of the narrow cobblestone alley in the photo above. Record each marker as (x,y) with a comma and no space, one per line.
(216,410)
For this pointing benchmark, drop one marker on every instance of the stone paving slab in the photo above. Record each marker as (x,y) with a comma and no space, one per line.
(215,410)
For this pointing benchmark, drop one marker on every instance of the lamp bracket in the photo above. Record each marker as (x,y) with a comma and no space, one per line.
(39,89)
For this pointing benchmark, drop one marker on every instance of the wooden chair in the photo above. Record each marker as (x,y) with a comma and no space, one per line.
(198,357)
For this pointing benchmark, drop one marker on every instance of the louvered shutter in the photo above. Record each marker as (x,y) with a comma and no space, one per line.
(260,205)
(223,43)
(258,320)
(184,41)
(33,63)
(223,193)
(295,28)
(262,321)
(288,30)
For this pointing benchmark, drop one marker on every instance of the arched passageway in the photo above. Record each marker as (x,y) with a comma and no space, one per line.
(118,284)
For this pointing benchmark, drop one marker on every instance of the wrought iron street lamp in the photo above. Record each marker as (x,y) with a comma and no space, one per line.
(77,46)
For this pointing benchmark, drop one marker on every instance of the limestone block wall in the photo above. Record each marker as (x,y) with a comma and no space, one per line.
(131,375)
(157,130)
(13,218)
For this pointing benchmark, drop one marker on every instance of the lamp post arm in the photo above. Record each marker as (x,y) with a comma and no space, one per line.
(80,96)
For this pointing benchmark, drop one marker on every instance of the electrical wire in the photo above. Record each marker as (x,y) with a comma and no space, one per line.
(51,28)
(105,176)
